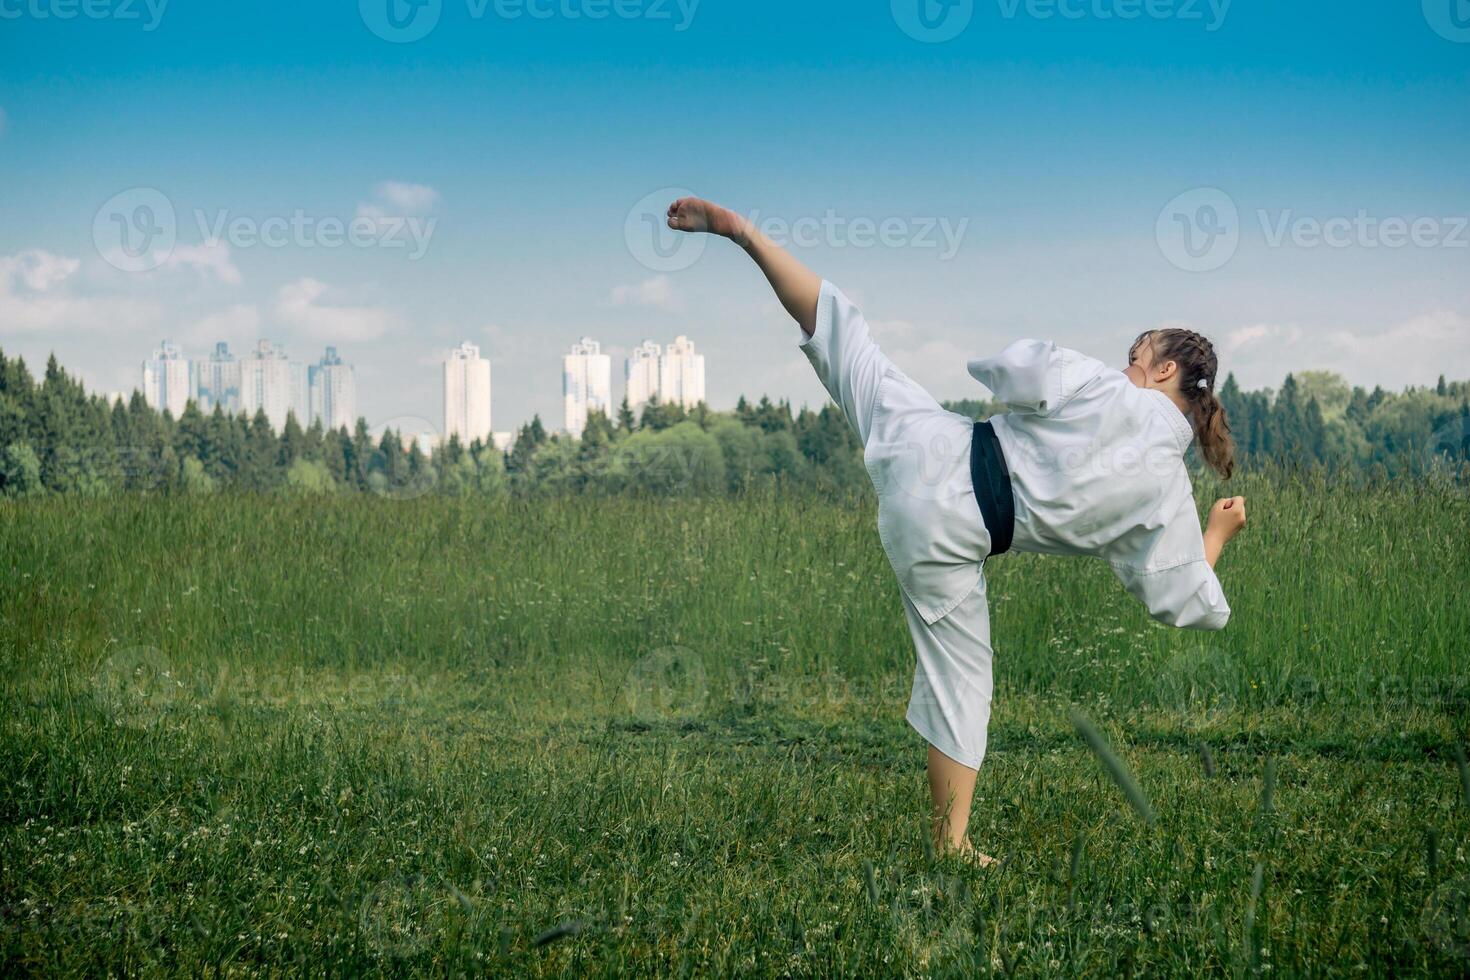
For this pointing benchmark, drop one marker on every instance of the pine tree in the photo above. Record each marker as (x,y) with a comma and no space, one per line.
(292,443)
(626,422)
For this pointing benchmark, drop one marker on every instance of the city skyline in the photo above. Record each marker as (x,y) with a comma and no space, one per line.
(264,380)
(267,379)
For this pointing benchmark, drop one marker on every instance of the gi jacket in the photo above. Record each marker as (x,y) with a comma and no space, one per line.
(1096,465)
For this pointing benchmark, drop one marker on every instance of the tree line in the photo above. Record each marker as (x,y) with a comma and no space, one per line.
(55,438)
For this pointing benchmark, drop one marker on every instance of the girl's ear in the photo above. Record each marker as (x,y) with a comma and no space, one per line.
(1163,372)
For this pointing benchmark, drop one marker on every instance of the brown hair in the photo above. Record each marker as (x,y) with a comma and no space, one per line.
(1198,364)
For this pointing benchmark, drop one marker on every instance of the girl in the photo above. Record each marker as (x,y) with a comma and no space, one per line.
(1088,461)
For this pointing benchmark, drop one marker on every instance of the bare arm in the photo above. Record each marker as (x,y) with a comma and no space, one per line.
(796,286)
(1227,518)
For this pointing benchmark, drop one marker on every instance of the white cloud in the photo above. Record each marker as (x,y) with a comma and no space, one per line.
(656,293)
(406,198)
(1411,352)
(238,323)
(892,331)
(395,199)
(36,296)
(36,270)
(299,305)
(213,259)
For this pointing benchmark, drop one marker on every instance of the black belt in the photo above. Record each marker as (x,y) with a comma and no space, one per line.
(992,487)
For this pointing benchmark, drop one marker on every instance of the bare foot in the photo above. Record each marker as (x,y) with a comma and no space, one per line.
(693,214)
(966,851)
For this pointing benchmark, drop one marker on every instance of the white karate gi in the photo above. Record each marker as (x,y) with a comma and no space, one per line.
(1097,468)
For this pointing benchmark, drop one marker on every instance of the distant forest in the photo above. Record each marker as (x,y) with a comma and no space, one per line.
(55,438)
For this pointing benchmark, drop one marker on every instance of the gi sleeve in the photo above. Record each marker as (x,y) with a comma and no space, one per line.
(1035,377)
(1167,571)
(846,359)
(1187,595)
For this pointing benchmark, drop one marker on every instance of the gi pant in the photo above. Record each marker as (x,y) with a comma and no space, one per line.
(918,457)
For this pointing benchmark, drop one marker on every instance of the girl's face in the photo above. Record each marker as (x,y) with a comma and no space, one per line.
(1140,363)
(1144,373)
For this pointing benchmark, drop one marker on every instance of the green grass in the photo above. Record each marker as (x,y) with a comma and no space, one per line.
(246,735)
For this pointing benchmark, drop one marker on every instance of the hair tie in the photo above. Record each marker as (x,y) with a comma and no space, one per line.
(1202,383)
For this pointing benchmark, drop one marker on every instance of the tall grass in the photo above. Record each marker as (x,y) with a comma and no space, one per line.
(248,734)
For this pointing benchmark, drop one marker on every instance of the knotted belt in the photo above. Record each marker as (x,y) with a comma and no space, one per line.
(992,487)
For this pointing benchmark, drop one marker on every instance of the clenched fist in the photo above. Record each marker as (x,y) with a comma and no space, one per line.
(1227,517)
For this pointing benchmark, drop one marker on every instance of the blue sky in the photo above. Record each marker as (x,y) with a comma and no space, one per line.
(1066,148)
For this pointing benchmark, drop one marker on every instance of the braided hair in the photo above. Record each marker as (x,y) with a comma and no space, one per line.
(1198,365)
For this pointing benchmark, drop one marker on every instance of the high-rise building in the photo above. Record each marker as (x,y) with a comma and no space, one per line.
(640,374)
(332,389)
(586,384)
(466,394)
(217,381)
(167,380)
(300,394)
(268,383)
(681,374)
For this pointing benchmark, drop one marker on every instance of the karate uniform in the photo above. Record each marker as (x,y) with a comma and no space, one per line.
(1096,466)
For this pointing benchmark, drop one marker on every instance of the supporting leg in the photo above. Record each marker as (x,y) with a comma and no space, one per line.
(951,790)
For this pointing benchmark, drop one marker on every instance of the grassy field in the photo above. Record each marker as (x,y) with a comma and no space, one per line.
(248,735)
